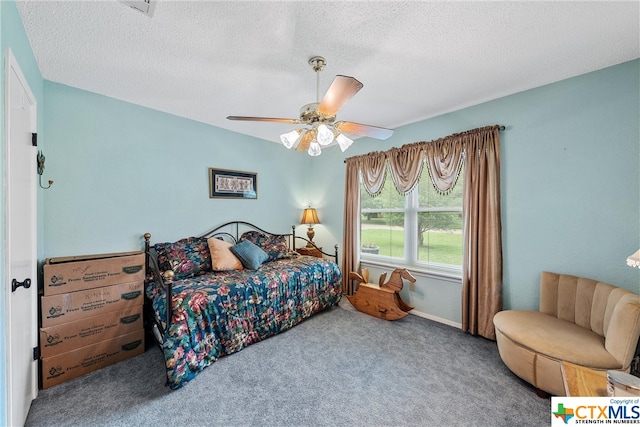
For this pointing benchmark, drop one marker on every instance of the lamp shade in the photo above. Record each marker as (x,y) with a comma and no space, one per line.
(309,216)
(325,136)
(314,149)
(290,138)
(634,260)
(343,142)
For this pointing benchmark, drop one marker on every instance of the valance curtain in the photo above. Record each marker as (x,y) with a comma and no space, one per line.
(479,150)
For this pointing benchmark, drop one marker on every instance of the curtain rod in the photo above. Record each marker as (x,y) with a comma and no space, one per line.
(500,128)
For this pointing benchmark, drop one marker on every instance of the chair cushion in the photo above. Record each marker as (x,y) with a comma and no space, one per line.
(558,339)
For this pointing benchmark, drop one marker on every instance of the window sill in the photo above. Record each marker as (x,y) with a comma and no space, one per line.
(449,276)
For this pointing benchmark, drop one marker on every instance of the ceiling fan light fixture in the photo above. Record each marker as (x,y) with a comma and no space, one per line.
(325,135)
(320,116)
(314,149)
(289,139)
(343,142)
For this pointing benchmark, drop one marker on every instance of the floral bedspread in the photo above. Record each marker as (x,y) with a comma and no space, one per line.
(216,314)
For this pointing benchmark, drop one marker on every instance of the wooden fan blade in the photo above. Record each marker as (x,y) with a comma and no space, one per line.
(365,130)
(341,90)
(263,119)
(305,141)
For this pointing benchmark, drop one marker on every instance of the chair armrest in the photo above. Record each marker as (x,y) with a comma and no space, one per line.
(623,332)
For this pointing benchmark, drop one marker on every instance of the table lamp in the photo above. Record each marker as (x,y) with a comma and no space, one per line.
(310,217)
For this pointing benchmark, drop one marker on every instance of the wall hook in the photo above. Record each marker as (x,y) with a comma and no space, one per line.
(40,158)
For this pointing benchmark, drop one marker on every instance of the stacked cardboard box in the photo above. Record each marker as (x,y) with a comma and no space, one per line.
(91,314)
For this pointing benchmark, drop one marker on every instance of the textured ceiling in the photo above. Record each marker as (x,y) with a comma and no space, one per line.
(210,59)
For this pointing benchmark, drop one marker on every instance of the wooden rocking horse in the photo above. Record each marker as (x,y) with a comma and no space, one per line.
(383,300)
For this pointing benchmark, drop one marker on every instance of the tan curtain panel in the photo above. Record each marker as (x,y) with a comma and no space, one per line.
(351,236)
(482,248)
(479,150)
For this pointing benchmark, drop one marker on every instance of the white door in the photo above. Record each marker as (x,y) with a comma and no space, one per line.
(21,253)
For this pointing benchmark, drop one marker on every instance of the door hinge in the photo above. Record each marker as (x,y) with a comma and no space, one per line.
(34,139)
(36,353)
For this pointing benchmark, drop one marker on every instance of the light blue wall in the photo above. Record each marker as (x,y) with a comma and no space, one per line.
(570,183)
(12,35)
(121,170)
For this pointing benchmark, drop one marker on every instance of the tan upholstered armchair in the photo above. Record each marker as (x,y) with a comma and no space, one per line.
(580,320)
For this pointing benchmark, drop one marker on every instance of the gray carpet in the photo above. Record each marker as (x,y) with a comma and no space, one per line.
(339,368)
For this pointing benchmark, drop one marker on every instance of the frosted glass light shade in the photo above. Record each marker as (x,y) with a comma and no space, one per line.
(634,260)
(325,135)
(289,139)
(343,142)
(314,149)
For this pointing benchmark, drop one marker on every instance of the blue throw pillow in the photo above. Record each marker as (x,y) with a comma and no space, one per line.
(249,254)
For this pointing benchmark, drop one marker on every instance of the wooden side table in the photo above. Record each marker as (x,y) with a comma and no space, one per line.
(310,251)
(583,382)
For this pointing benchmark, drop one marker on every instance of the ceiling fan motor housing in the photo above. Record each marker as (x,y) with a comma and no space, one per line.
(309,114)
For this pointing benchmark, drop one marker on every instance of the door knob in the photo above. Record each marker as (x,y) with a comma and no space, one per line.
(15,284)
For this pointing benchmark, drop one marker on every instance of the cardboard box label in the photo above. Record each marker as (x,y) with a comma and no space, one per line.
(62,308)
(72,335)
(72,364)
(71,276)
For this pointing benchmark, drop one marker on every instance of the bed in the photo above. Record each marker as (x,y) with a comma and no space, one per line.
(213,295)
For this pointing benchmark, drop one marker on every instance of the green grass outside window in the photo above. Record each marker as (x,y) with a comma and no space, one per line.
(441,247)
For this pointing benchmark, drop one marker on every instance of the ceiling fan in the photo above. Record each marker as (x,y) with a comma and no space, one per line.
(320,117)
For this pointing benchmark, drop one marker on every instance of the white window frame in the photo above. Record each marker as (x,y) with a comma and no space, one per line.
(410,260)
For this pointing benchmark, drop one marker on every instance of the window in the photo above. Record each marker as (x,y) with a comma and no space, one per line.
(422,229)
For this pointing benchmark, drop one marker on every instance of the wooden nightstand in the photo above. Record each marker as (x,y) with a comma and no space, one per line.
(310,251)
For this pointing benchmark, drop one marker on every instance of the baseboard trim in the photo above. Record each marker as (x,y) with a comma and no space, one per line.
(436,319)
(346,305)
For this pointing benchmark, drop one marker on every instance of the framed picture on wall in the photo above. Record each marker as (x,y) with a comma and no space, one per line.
(232,184)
